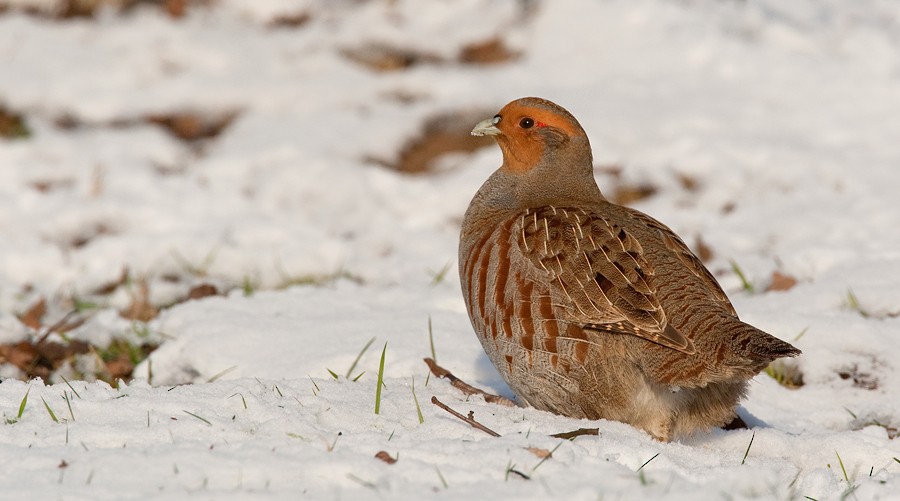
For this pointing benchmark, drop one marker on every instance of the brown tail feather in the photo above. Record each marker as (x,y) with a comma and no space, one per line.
(758,349)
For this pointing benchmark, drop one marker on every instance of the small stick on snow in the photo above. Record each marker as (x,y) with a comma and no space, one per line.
(569,435)
(469,419)
(466,388)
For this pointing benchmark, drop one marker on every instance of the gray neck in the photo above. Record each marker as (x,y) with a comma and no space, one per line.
(565,176)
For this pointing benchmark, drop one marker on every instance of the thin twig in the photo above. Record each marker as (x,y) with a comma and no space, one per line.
(55,327)
(569,435)
(466,388)
(468,419)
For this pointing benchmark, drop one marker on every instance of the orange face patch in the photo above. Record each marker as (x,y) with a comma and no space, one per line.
(521,141)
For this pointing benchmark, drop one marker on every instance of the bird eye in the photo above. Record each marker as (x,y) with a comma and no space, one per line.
(526,123)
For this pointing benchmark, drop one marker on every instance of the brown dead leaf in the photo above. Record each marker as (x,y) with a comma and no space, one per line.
(176,9)
(42,358)
(88,233)
(33,316)
(626,194)
(612,170)
(384,456)
(202,290)
(704,251)
(48,185)
(110,287)
(441,134)
(292,21)
(20,354)
(64,10)
(120,367)
(381,57)
(541,453)
(687,182)
(193,126)
(490,51)
(141,308)
(781,282)
(56,353)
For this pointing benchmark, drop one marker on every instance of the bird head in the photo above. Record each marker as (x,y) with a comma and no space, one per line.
(546,153)
(532,131)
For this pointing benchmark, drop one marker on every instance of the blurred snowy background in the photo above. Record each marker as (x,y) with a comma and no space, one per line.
(241,194)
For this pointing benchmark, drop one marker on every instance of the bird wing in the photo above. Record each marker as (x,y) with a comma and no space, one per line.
(690,260)
(597,272)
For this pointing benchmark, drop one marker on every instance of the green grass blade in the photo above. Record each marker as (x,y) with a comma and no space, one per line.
(441,274)
(841,462)
(416,400)
(740,273)
(356,361)
(23,403)
(380,380)
(50,411)
(746,452)
(333,374)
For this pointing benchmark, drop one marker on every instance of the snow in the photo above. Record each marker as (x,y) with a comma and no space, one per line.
(785,114)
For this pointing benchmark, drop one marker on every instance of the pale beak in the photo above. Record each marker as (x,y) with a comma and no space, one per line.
(486,127)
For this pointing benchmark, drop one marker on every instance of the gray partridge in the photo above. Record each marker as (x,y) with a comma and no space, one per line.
(590,309)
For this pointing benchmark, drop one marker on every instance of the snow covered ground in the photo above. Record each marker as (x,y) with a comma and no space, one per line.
(769,131)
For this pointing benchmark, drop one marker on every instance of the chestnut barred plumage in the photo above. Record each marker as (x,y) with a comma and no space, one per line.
(591,309)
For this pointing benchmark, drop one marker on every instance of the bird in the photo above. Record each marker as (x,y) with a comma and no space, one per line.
(590,309)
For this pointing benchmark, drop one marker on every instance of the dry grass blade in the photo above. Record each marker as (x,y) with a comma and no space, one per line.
(648,462)
(201,418)
(546,456)
(215,377)
(70,386)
